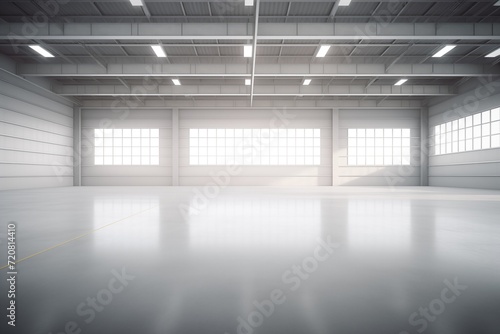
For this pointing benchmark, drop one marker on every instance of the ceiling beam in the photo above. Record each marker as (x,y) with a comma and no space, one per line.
(244,31)
(271,1)
(124,83)
(146,11)
(262,70)
(93,4)
(247,19)
(254,49)
(395,61)
(91,54)
(220,103)
(334,10)
(260,90)
(400,12)
(283,43)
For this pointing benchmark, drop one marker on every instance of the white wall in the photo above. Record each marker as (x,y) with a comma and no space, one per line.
(257,118)
(475,169)
(36,136)
(326,174)
(378,119)
(126,175)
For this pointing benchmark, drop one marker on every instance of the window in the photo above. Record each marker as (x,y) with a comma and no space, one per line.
(378,147)
(126,147)
(255,147)
(476,132)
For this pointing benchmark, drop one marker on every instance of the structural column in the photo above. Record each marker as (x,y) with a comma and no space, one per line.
(175,147)
(424,147)
(335,147)
(77,146)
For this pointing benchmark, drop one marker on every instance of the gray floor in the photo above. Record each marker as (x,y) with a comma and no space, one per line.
(367,260)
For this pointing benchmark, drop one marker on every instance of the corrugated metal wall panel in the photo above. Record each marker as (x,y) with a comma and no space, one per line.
(36,138)
(474,169)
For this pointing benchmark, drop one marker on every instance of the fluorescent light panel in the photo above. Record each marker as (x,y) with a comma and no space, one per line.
(176,82)
(248,82)
(323,50)
(444,51)
(136,2)
(344,2)
(494,54)
(247,51)
(159,51)
(306,82)
(400,82)
(248,2)
(42,51)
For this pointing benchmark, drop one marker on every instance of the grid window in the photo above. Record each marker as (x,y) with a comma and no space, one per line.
(126,147)
(476,132)
(255,147)
(382,147)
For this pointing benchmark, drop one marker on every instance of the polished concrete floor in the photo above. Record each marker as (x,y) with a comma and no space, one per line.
(254,260)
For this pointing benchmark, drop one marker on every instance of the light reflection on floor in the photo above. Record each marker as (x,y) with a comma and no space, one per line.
(241,224)
(204,273)
(142,230)
(379,225)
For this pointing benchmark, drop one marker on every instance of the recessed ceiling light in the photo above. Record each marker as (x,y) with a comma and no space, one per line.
(248,82)
(247,51)
(344,2)
(323,50)
(136,2)
(494,54)
(306,82)
(444,51)
(42,51)
(176,82)
(400,82)
(159,51)
(248,2)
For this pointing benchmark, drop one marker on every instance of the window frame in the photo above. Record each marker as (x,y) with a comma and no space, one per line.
(254,146)
(476,132)
(127,147)
(372,147)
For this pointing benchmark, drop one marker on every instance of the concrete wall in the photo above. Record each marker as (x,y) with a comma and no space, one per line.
(474,169)
(36,136)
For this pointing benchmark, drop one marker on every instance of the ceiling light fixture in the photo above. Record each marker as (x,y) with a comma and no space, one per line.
(42,51)
(158,49)
(176,82)
(248,82)
(136,2)
(493,54)
(497,3)
(247,51)
(344,2)
(400,82)
(444,51)
(248,2)
(323,50)
(306,82)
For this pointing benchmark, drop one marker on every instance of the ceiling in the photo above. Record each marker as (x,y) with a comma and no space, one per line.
(102,49)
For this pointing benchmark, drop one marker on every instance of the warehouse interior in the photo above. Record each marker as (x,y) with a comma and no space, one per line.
(250,166)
